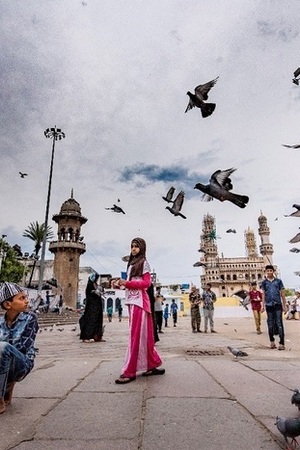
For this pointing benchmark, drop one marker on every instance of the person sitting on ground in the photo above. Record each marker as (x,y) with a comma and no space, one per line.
(18,329)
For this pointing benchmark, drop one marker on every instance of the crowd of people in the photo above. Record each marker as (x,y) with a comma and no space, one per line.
(148,312)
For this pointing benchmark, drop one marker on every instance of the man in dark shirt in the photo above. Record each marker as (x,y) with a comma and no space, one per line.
(273,300)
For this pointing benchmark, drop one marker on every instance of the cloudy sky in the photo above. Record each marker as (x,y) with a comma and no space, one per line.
(113,74)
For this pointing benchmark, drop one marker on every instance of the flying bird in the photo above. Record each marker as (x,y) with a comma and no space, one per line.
(291,146)
(295,400)
(177,205)
(202,250)
(290,428)
(199,264)
(201,94)
(295,213)
(170,193)
(125,258)
(219,186)
(231,231)
(116,209)
(23,175)
(296,74)
(295,239)
(236,352)
(295,250)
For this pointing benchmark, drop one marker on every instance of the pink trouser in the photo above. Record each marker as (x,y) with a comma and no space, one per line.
(141,354)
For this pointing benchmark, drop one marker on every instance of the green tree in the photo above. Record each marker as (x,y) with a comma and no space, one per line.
(35,232)
(11,269)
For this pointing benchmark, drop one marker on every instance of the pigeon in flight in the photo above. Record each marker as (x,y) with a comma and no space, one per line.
(295,239)
(219,187)
(231,231)
(201,94)
(170,193)
(125,258)
(236,352)
(199,264)
(116,209)
(295,213)
(202,250)
(295,250)
(296,74)
(291,146)
(290,428)
(23,175)
(295,400)
(177,205)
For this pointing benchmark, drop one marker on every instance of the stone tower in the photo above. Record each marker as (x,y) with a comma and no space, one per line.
(68,248)
(265,248)
(208,243)
(250,244)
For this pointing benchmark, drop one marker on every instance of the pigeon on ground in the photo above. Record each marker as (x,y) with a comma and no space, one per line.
(170,193)
(295,400)
(236,352)
(73,329)
(295,239)
(295,213)
(201,94)
(177,205)
(295,250)
(23,175)
(116,209)
(289,427)
(291,146)
(296,74)
(199,264)
(219,187)
(231,231)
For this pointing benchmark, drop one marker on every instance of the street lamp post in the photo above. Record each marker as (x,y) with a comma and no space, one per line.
(55,134)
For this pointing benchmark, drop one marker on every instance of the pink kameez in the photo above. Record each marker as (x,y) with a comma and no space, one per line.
(141,354)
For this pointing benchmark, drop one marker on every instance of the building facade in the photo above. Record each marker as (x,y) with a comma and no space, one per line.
(228,276)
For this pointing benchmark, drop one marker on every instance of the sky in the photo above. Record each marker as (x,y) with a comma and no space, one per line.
(113,75)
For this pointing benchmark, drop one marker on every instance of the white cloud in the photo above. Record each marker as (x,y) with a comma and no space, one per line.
(114,77)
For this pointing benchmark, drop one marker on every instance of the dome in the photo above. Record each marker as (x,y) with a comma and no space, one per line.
(70,206)
(262,218)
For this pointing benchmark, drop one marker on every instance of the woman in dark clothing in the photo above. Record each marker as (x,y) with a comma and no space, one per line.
(91,323)
(150,291)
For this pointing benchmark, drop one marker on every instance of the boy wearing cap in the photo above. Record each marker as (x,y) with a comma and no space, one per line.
(18,328)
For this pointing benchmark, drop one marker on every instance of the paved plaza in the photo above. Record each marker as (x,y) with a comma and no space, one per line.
(206,400)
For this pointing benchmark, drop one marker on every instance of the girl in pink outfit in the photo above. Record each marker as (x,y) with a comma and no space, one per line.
(141,354)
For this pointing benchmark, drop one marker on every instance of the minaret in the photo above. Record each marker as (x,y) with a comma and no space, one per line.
(250,244)
(209,245)
(68,248)
(266,249)
(208,237)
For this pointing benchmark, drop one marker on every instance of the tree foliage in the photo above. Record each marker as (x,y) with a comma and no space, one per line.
(35,232)
(11,269)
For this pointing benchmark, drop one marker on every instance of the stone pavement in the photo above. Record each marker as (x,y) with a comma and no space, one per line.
(206,400)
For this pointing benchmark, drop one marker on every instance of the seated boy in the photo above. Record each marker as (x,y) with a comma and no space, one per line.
(18,329)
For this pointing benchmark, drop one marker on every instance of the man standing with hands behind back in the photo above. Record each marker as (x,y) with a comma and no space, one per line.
(273,300)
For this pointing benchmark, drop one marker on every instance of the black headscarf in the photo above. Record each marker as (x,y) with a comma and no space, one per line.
(137,262)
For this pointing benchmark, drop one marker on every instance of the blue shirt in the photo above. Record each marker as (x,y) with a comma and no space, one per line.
(174,308)
(272,290)
(21,334)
